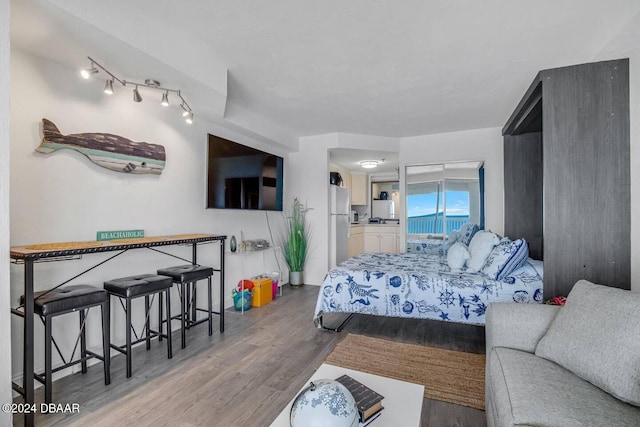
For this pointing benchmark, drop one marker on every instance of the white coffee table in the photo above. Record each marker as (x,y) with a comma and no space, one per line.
(402,400)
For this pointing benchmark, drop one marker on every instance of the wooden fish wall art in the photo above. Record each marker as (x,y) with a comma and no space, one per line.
(107,150)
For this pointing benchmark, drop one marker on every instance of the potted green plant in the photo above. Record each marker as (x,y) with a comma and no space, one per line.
(296,242)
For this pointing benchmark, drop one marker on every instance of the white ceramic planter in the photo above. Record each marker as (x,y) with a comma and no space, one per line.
(296,278)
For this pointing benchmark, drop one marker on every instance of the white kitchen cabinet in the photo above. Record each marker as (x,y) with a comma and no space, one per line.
(389,242)
(356,240)
(381,238)
(358,188)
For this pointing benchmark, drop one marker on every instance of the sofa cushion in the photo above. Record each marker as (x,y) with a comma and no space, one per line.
(523,389)
(596,336)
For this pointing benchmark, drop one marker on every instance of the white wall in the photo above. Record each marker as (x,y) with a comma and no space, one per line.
(479,144)
(307,178)
(5,352)
(62,196)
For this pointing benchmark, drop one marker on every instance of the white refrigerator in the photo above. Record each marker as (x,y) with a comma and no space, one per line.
(383,209)
(340,225)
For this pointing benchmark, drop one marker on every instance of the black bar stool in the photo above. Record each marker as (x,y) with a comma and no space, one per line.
(56,302)
(142,285)
(186,276)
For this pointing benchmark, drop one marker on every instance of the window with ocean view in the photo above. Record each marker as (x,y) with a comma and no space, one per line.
(425,212)
(441,198)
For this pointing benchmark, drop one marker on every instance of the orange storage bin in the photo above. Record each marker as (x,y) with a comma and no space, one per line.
(262,292)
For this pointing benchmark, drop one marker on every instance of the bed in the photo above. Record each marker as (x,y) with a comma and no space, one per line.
(421,286)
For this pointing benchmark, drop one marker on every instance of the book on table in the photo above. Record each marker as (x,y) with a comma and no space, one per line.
(371,418)
(369,402)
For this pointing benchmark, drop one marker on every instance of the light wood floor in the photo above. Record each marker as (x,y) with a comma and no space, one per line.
(245,376)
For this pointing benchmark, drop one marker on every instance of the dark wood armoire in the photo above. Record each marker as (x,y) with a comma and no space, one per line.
(566,173)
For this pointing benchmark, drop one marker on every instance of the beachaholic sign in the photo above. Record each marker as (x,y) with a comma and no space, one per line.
(120,234)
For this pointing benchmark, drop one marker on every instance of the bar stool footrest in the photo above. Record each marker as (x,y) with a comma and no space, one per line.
(152,334)
(17,388)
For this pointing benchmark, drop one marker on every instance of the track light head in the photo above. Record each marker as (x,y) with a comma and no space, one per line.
(108,87)
(88,72)
(136,95)
(189,118)
(165,99)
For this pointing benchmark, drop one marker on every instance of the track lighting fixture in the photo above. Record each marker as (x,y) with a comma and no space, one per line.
(185,110)
(108,87)
(95,68)
(136,95)
(88,72)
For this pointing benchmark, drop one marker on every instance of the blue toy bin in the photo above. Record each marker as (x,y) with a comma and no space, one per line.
(242,300)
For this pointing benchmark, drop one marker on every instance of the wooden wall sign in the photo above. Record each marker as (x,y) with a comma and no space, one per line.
(101,236)
(107,150)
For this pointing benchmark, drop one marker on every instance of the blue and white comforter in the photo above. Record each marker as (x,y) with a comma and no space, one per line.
(420,286)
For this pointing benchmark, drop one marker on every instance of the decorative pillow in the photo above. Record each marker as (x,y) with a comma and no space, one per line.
(457,256)
(480,247)
(467,232)
(505,258)
(453,237)
(427,247)
(596,335)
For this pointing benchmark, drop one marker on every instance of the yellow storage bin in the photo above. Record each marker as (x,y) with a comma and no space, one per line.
(262,291)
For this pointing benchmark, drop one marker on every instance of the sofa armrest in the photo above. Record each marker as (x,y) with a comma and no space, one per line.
(517,326)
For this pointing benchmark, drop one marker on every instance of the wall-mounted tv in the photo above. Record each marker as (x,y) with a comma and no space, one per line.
(241,177)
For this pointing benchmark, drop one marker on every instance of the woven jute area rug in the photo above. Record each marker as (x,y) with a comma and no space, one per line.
(449,376)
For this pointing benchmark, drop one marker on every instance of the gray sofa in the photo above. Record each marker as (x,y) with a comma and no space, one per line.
(577,365)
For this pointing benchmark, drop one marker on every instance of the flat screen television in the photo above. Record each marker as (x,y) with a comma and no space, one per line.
(241,177)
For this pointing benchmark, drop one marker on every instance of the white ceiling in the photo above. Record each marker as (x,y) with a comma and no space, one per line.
(375,67)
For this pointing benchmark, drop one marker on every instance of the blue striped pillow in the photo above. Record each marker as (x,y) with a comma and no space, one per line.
(505,258)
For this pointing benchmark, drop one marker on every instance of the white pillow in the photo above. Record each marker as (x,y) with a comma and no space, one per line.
(453,237)
(479,249)
(457,256)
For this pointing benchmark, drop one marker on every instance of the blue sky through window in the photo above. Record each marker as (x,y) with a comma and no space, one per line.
(425,204)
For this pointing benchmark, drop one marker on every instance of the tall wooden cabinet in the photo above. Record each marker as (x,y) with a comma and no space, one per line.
(566,173)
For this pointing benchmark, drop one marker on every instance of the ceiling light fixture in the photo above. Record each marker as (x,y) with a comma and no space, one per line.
(136,95)
(95,68)
(185,110)
(369,164)
(88,72)
(108,87)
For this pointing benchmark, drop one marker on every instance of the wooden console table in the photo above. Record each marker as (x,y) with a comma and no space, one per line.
(30,254)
